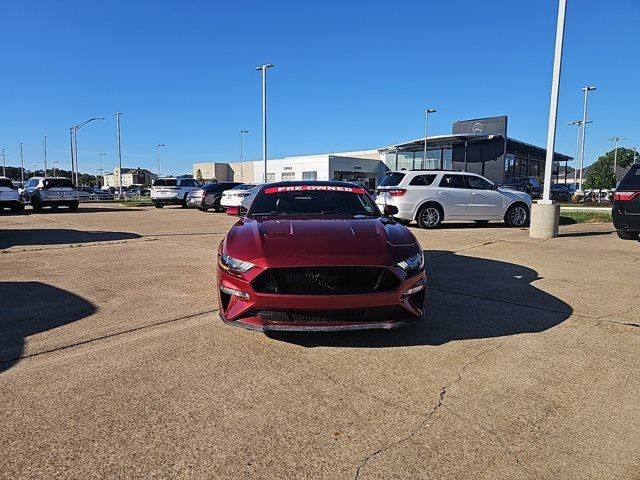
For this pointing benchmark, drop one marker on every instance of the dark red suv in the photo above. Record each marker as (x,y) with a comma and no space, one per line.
(626,205)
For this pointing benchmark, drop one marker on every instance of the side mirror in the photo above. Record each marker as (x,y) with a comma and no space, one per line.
(235,211)
(390,210)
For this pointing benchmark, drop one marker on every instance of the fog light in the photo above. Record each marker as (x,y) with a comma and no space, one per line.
(413,290)
(234,292)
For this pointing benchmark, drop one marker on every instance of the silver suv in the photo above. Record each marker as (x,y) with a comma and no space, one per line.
(172,191)
(51,192)
(431,196)
(9,196)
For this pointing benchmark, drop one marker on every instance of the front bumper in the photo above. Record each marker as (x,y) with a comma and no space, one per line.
(279,312)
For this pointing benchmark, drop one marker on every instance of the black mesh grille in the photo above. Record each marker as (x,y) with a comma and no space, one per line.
(326,280)
(328,316)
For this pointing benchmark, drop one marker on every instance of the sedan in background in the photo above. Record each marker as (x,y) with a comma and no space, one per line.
(528,185)
(319,256)
(239,196)
(209,196)
(562,192)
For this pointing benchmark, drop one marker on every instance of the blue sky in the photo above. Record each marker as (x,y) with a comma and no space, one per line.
(348,75)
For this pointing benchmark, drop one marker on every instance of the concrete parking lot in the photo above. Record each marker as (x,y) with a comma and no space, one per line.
(113,363)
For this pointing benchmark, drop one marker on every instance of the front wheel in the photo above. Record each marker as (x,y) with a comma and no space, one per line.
(429,216)
(626,235)
(17,208)
(73,206)
(216,205)
(157,205)
(517,216)
(36,205)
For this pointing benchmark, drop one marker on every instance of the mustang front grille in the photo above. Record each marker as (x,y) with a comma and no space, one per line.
(326,280)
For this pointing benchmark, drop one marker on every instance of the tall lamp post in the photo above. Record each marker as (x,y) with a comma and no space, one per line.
(615,154)
(4,164)
(242,132)
(263,69)
(426,128)
(545,215)
(158,156)
(117,115)
(45,155)
(54,167)
(586,90)
(102,154)
(21,165)
(578,123)
(74,145)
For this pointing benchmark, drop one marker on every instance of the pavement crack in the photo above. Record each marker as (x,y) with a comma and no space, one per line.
(428,415)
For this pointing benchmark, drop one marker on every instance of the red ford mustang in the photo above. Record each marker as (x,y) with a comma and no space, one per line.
(319,256)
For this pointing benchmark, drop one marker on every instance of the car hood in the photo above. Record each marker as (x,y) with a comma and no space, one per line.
(515,195)
(320,241)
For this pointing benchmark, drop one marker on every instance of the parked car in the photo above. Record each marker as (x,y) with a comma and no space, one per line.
(530,185)
(172,191)
(239,196)
(562,192)
(432,196)
(626,205)
(9,196)
(52,192)
(209,196)
(318,255)
(92,194)
(137,192)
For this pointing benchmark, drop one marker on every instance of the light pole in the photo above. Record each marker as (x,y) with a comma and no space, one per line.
(545,215)
(74,145)
(615,154)
(586,91)
(158,156)
(21,165)
(45,155)
(35,167)
(4,164)
(578,123)
(54,167)
(263,69)
(102,167)
(242,132)
(426,127)
(117,115)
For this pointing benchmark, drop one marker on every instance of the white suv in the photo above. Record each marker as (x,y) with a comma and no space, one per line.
(431,196)
(172,191)
(9,196)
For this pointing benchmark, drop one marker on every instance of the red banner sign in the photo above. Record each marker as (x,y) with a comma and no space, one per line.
(315,188)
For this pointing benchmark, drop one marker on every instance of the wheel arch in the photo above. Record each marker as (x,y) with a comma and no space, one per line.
(426,203)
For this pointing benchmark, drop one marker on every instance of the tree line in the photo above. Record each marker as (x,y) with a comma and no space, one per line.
(13,173)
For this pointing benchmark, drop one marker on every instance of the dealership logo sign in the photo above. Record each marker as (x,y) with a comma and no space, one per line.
(477,128)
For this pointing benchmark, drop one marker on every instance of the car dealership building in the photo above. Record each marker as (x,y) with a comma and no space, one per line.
(479,145)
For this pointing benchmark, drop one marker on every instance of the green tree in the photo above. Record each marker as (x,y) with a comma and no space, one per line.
(601,174)
(199,175)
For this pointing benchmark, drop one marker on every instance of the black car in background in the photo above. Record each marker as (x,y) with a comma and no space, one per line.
(626,205)
(562,192)
(530,185)
(209,196)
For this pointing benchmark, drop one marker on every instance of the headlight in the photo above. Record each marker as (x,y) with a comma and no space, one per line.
(415,262)
(235,265)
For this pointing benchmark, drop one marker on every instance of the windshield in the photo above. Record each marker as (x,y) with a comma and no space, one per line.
(6,183)
(313,200)
(57,183)
(165,182)
(391,179)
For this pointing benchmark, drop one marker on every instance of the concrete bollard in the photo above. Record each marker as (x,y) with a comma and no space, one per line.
(545,219)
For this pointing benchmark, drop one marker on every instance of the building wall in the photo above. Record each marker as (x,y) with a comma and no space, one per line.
(128,179)
(208,170)
(242,172)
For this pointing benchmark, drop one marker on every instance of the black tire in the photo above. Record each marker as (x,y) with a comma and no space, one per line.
(36,205)
(73,206)
(203,209)
(216,205)
(481,222)
(17,208)
(517,216)
(627,235)
(402,221)
(430,216)
(158,205)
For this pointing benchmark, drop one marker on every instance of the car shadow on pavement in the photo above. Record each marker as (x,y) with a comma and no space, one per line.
(87,209)
(467,298)
(58,236)
(29,308)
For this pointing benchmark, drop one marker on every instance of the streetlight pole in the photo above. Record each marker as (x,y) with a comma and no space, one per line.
(615,154)
(4,164)
(54,167)
(578,123)
(158,156)
(35,167)
(586,89)
(73,162)
(242,132)
(21,165)
(545,215)
(117,115)
(74,143)
(426,127)
(45,155)
(102,167)
(263,69)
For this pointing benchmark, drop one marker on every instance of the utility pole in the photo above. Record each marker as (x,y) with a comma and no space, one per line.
(21,165)
(158,157)
(615,154)
(242,132)
(54,167)
(45,155)
(102,168)
(4,164)
(117,115)
(578,123)
(263,69)
(586,91)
